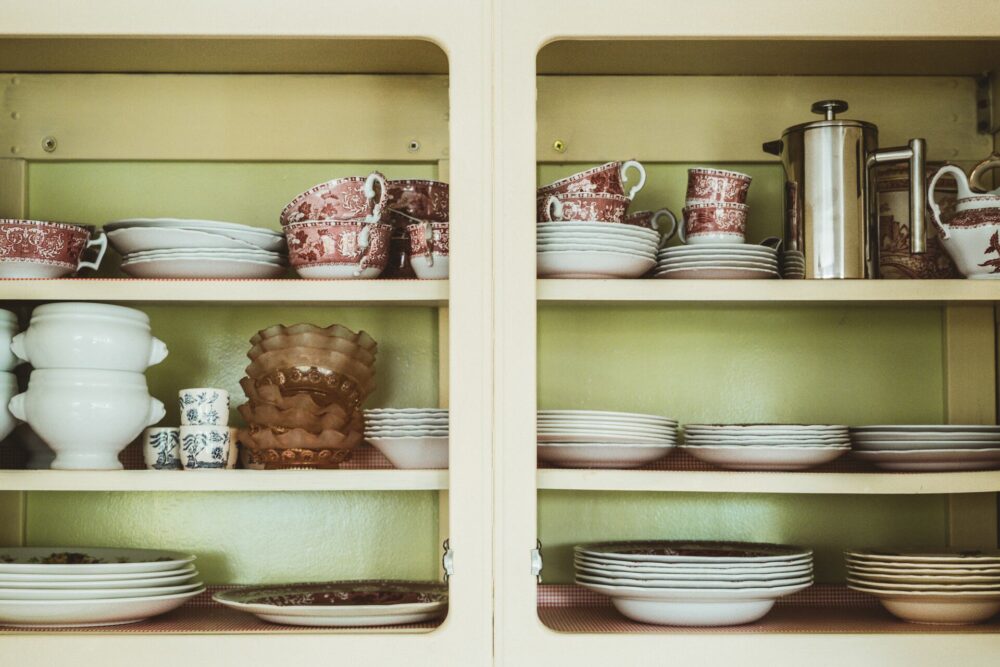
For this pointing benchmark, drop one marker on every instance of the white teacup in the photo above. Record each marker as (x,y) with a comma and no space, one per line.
(204,406)
(204,447)
(161,448)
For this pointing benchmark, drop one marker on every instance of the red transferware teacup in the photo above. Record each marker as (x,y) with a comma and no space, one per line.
(651,220)
(720,222)
(419,199)
(338,248)
(583,207)
(342,199)
(41,249)
(717,185)
(610,178)
(428,239)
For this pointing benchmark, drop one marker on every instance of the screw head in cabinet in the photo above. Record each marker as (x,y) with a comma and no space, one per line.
(413,146)
(49,144)
(559,146)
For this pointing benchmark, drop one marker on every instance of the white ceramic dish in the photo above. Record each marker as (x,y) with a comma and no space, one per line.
(702,552)
(140,239)
(981,557)
(245,253)
(597,248)
(406,411)
(875,568)
(927,580)
(668,265)
(610,229)
(88,613)
(8,594)
(67,583)
(925,436)
(603,439)
(922,587)
(735,569)
(926,428)
(718,273)
(8,389)
(600,242)
(720,247)
(958,608)
(765,458)
(427,271)
(932,459)
(421,453)
(338,272)
(917,445)
(116,561)
(705,583)
(590,455)
(767,429)
(598,427)
(607,415)
(196,267)
(701,575)
(592,265)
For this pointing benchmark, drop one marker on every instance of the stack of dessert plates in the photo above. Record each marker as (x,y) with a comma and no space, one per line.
(766,446)
(595,250)
(596,439)
(78,587)
(931,448)
(693,583)
(341,604)
(793,264)
(176,248)
(717,260)
(929,586)
(409,437)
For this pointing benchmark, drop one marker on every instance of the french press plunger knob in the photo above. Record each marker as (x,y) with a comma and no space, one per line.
(829,108)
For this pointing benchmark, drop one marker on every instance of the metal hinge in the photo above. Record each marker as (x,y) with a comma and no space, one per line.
(448,560)
(536,561)
(984,103)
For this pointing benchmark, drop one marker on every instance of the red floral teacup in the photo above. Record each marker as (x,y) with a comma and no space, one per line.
(720,222)
(39,249)
(429,249)
(651,220)
(338,249)
(582,207)
(343,199)
(717,185)
(420,199)
(610,178)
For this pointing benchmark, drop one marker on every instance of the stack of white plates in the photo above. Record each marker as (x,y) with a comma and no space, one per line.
(718,260)
(173,248)
(595,250)
(596,439)
(929,587)
(766,446)
(928,448)
(693,583)
(409,437)
(793,264)
(78,587)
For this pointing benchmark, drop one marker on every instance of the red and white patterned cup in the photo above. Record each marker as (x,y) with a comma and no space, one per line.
(420,199)
(41,249)
(717,185)
(609,178)
(720,222)
(583,207)
(651,220)
(429,249)
(351,245)
(342,199)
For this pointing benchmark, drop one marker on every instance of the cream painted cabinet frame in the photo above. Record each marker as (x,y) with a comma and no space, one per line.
(303,37)
(733,38)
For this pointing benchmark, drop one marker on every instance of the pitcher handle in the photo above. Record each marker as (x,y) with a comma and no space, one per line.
(364,243)
(991,162)
(664,213)
(373,178)
(624,176)
(101,242)
(935,209)
(553,209)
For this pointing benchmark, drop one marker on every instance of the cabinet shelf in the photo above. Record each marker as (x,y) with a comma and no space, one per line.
(223,480)
(381,292)
(801,291)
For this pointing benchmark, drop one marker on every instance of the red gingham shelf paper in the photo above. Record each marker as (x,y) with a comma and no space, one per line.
(202,615)
(817,610)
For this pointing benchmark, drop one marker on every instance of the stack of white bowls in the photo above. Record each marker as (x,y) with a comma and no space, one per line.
(599,439)
(693,583)
(87,396)
(177,248)
(8,381)
(415,438)
(82,586)
(734,261)
(766,446)
(595,250)
(793,264)
(930,448)
(944,587)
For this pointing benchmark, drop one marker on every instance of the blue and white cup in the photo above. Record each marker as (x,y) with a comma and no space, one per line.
(161,449)
(205,447)
(204,406)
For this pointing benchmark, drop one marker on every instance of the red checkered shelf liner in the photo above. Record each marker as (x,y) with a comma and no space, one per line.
(202,615)
(820,609)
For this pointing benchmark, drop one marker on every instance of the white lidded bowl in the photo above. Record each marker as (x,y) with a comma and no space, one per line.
(87,416)
(8,329)
(8,389)
(89,335)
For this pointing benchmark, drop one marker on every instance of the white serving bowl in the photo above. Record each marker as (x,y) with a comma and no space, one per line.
(944,608)
(426,271)
(89,335)
(8,329)
(87,416)
(755,457)
(8,389)
(591,455)
(414,453)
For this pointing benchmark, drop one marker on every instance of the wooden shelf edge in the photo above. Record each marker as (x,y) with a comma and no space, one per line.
(801,291)
(223,480)
(987,481)
(382,292)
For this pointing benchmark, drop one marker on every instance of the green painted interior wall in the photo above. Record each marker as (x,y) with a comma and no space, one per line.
(851,364)
(245,537)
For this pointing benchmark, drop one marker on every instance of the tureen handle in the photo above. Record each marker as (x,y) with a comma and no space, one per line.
(935,209)
(991,162)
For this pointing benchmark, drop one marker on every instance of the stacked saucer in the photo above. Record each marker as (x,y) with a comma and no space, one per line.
(718,260)
(595,439)
(410,437)
(595,250)
(793,264)
(953,588)
(765,446)
(693,583)
(77,587)
(930,448)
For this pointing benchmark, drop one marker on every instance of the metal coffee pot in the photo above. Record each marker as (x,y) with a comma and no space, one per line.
(831,203)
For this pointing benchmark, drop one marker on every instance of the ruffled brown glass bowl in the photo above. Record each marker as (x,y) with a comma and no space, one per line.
(270,415)
(280,459)
(299,357)
(323,386)
(312,340)
(360,338)
(270,394)
(263,437)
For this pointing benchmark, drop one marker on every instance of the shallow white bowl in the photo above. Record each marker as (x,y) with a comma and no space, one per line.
(198,267)
(765,458)
(590,455)
(585,264)
(409,453)
(86,613)
(7,594)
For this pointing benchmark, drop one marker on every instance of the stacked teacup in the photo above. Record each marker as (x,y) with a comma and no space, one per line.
(419,212)
(585,229)
(8,381)
(204,439)
(714,232)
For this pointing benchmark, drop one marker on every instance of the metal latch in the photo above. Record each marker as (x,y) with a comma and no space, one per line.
(448,560)
(536,561)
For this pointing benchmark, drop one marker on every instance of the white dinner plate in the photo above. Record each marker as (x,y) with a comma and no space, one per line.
(922,557)
(917,445)
(601,439)
(719,247)
(582,566)
(872,568)
(717,273)
(86,613)
(18,560)
(769,429)
(591,455)
(148,581)
(765,458)
(8,578)
(722,569)
(684,584)
(715,553)
(612,229)
(926,428)
(922,587)
(664,265)
(592,264)
(925,436)
(595,248)
(585,243)
(862,574)
(612,430)
(608,415)
(932,459)
(139,239)
(8,594)
(195,267)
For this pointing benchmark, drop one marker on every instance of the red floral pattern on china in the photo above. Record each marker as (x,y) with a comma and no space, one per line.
(424,200)
(717,186)
(581,207)
(42,242)
(714,220)
(440,240)
(977,217)
(341,199)
(605,178)
(323,243)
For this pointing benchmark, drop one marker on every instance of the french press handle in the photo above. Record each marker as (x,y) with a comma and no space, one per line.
(829,108)
(915,154)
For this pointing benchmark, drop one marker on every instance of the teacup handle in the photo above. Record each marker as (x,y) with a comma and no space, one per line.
(373,178)
(101,242)
(772,242)
(680,234)
(991,162)
(364,243)
(935,209)
(642,177)
(429,242)
(664,213)
(553,209)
